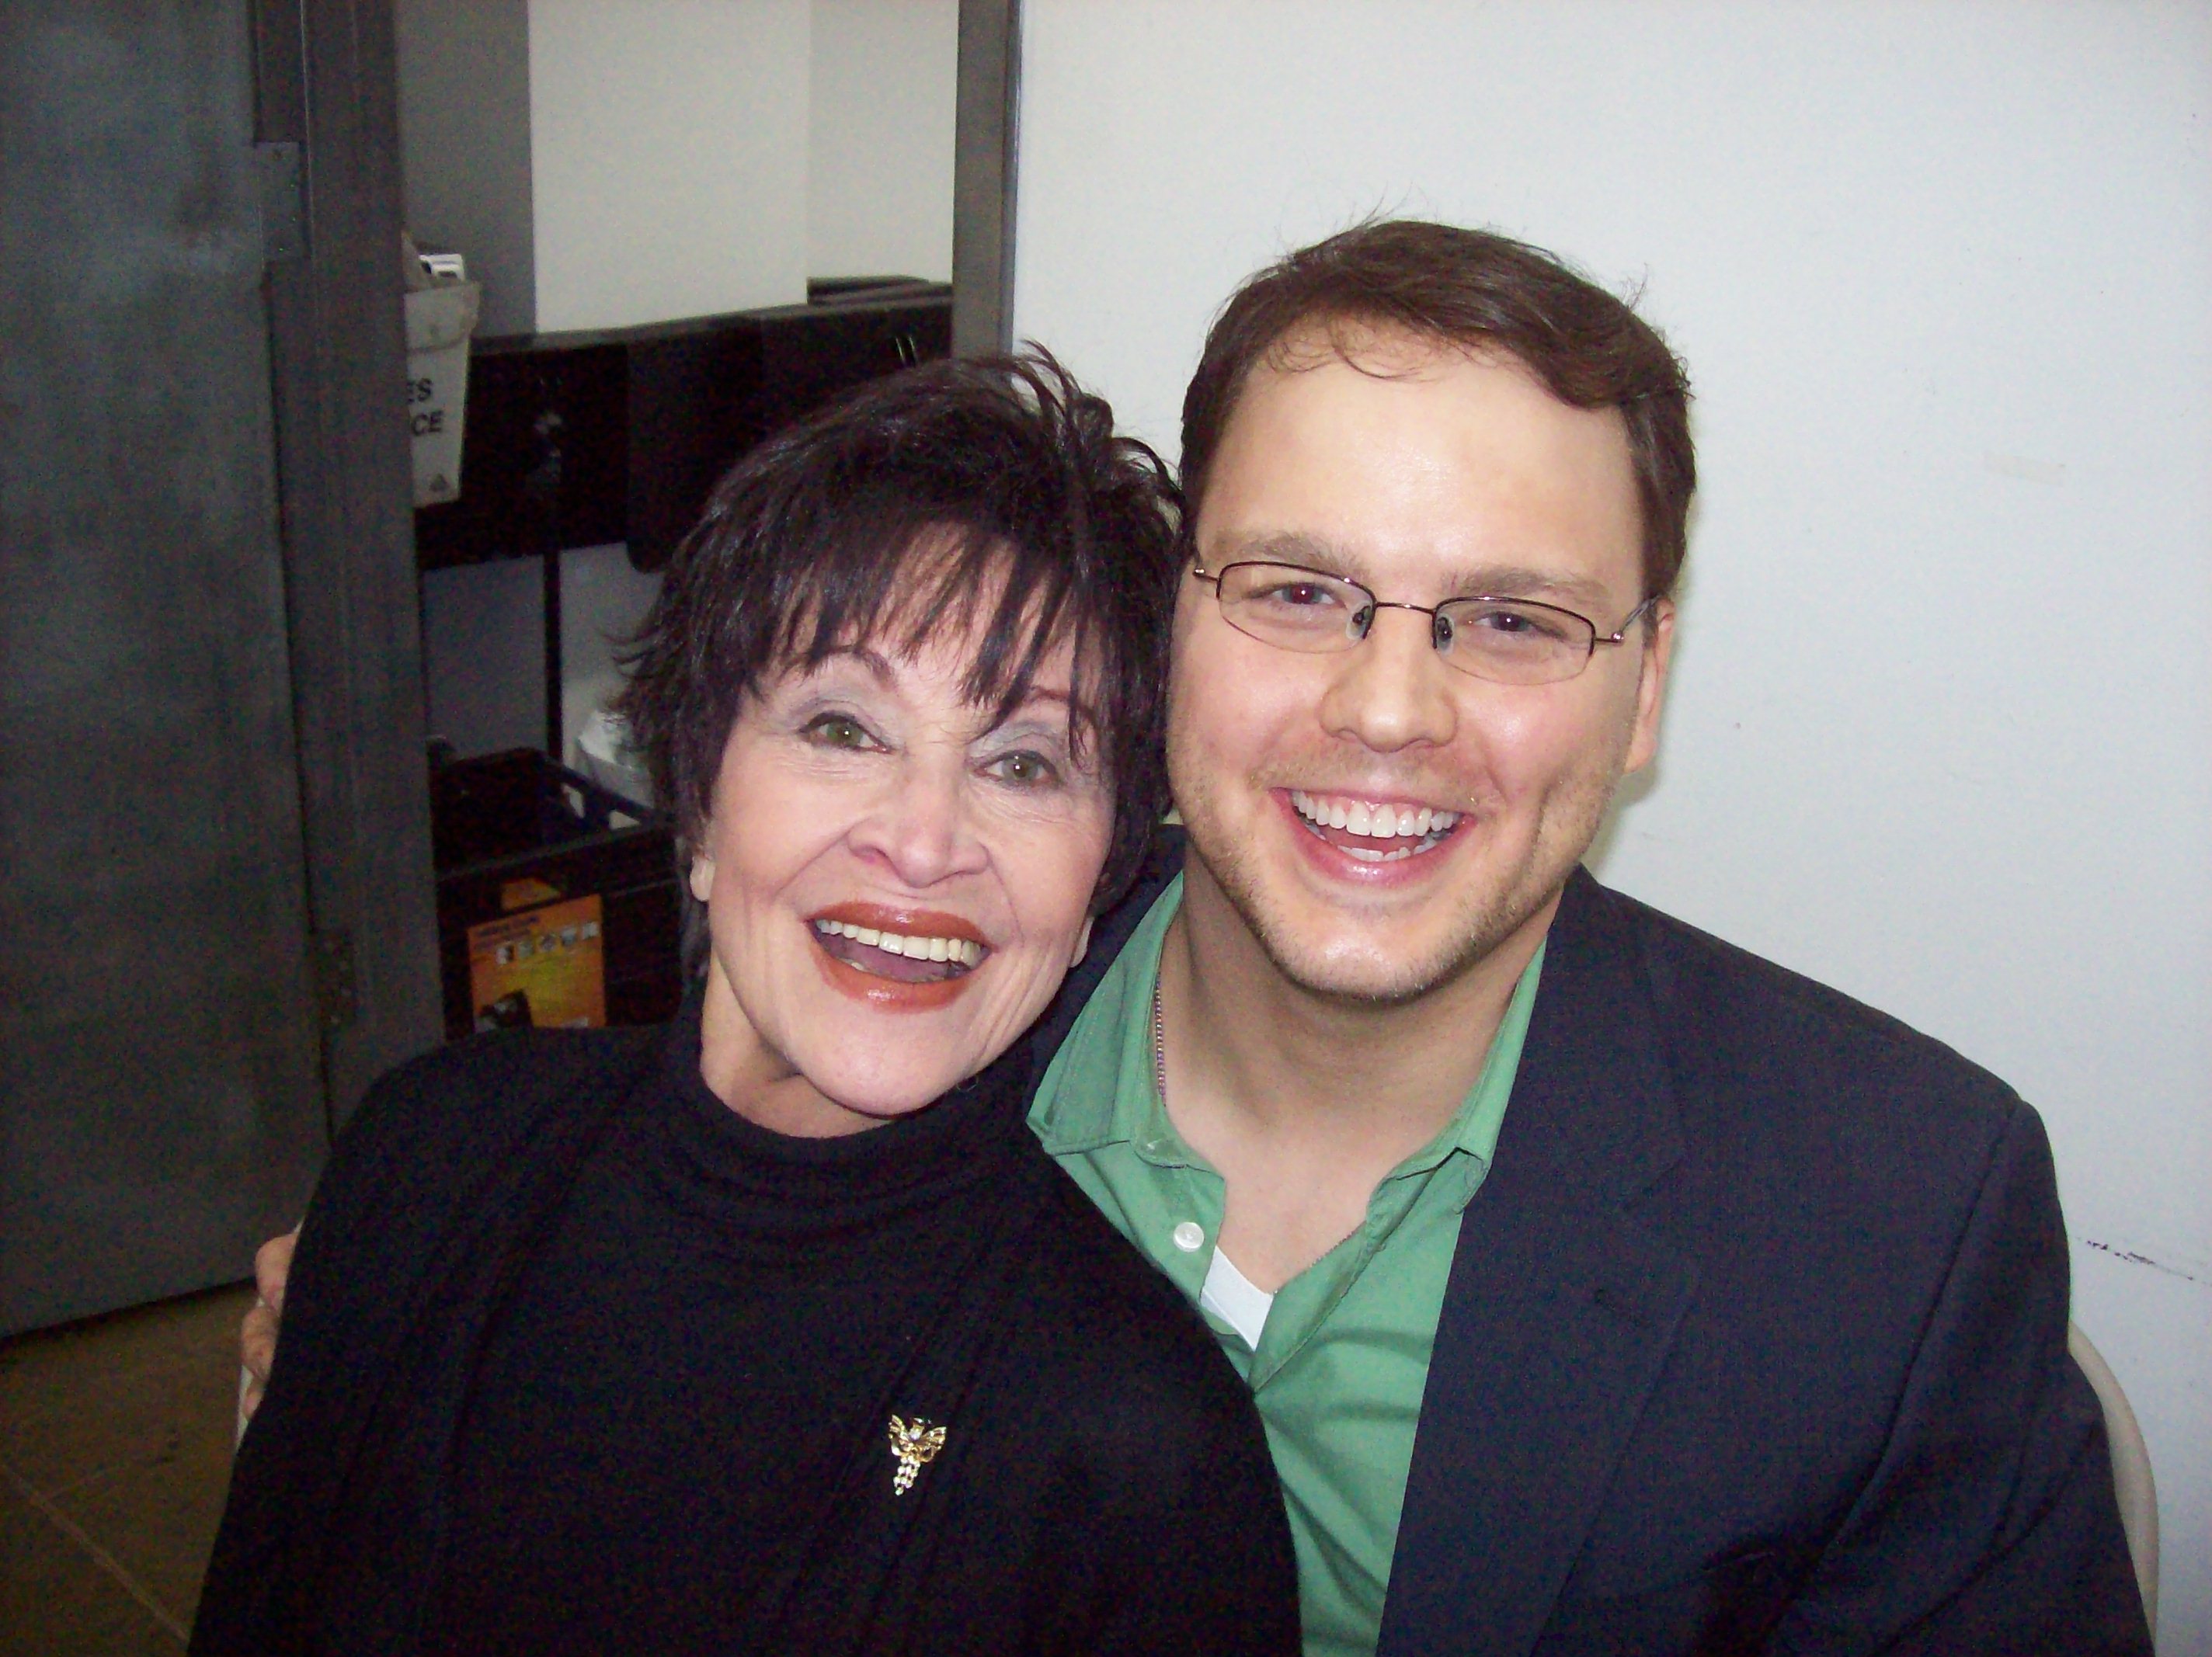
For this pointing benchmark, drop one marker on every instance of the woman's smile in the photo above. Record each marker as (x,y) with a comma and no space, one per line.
(912,960)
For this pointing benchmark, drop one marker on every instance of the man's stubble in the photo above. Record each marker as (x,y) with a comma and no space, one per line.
(1492,906)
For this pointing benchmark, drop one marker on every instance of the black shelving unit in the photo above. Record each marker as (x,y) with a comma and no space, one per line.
(581,440)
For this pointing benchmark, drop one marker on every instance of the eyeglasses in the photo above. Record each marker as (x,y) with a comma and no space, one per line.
(1506,640)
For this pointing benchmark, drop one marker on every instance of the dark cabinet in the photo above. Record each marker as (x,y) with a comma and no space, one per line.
(585,439)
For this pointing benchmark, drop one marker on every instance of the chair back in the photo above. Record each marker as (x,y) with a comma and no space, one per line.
(2131,1478)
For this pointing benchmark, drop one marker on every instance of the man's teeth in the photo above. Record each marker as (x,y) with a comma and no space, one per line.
(962,951)
(1375,822)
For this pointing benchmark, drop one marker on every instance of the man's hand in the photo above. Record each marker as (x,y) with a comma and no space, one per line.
(257,1337)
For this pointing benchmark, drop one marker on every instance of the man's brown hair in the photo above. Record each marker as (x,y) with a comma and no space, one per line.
(1479,292)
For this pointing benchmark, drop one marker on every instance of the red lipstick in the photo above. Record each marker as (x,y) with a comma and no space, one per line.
(880,978)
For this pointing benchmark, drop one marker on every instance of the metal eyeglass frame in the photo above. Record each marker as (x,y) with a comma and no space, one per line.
(1434,612)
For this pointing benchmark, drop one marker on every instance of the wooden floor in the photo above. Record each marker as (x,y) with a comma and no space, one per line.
(115,1441)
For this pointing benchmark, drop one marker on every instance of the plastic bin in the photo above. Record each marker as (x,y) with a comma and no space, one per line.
(557,899)
(440,320)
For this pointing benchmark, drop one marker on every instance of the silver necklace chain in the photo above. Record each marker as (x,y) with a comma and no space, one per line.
(1159,1046)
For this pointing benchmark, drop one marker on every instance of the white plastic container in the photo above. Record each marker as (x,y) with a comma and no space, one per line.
(603,754)
(440,320)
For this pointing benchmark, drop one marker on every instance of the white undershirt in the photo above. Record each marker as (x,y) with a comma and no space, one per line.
(1235,1299)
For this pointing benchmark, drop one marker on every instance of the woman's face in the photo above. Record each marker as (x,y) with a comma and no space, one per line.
(894,884)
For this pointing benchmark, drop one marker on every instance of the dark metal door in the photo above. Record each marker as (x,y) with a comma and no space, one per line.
(162,1103)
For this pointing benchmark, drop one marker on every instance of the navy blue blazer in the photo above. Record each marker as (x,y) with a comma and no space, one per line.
(1755,1338)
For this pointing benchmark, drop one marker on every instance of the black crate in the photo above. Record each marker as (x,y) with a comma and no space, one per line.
(517,825)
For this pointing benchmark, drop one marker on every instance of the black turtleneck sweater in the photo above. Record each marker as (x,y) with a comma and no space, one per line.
(581,1361)
(670,1395)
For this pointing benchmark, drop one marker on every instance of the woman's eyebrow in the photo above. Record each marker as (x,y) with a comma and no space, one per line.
(1036,702)
(877,664)
(1046,708)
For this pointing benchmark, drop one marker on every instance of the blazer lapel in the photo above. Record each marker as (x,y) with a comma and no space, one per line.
(1559,1315)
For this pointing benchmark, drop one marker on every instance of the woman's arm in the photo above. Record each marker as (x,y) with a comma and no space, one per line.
(1166,1532)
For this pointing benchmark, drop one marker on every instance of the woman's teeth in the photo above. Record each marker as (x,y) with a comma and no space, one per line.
(1420,824)
(958,952)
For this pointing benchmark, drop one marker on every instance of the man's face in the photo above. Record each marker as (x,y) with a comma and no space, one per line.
(1424,474)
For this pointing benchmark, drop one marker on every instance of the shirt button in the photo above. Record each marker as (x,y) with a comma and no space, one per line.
(1188,1236)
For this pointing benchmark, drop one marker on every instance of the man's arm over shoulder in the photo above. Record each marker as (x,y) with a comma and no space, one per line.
(344,1277)
(398,1181)
(413,1130)
(1990,1524)
(257,1335)
(426,1130)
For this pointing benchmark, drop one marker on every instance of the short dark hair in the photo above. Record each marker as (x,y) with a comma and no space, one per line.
(1478,291)
(915,501)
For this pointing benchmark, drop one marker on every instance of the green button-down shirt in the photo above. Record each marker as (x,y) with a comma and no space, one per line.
(1344,1355)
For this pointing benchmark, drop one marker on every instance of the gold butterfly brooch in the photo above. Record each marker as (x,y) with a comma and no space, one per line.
(916,1445)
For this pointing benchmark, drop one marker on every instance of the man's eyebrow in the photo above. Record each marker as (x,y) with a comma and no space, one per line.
(1463,581)
(1518,581)
(1290,547)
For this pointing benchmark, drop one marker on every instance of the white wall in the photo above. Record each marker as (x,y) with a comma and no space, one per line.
(879,187)
(1941,731)
(603,600)
(484,646)
(483,655)
(668,158)
(603,166)
(465,144)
